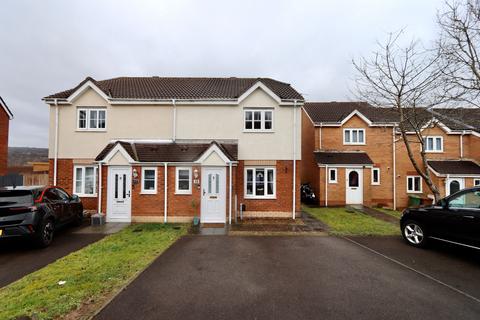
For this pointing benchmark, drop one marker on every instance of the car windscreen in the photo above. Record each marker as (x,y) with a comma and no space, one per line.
(15,198)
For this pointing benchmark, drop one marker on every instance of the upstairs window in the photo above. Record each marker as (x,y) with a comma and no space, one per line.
(433,143)
(353,136)
(92,119)
(258,120)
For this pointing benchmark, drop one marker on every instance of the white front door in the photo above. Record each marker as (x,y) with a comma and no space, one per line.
(213,195)
(354,186)
(454,185)
(119,194)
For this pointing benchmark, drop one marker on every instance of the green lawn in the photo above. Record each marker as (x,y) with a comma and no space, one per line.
(342,222)
(396,214)
(92,274)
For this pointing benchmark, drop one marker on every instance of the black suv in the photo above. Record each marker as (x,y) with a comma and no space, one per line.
(454,219)
(35,212)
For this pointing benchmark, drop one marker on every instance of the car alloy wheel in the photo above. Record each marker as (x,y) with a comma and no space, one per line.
(48,232)
(413,233)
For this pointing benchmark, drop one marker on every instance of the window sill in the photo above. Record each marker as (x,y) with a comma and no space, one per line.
(414,192)
(80,195)
(260,198)
(91,130)
(148,192)
(258,131)
(375,184)
(354,144)
(332,182)
(180,193)
(434,151)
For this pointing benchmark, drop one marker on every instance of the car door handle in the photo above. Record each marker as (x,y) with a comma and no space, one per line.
(469,217)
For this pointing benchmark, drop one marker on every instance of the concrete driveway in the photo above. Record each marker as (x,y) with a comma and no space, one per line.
(18,258)
(221,277)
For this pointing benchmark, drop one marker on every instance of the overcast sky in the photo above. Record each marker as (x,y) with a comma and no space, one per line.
(49,46)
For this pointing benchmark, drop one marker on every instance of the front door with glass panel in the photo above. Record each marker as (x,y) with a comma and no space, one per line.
(119,194)
(213,195)
(354,186)
(454,185)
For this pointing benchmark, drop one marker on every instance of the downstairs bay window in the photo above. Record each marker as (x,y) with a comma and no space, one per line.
(85,181)
(260,183)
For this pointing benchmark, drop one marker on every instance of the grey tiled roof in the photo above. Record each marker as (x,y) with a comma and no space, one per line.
(338,157)
(455,167)
(182,88)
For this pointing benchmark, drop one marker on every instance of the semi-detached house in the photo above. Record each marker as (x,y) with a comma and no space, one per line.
(170,149)
(352,153)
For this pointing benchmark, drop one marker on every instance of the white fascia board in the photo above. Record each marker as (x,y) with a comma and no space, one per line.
(357,113)
(118,148)
(213,148)
(87,85)
(260,85)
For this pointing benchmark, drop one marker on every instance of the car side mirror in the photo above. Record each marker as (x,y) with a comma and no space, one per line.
(74,198)
(443,203)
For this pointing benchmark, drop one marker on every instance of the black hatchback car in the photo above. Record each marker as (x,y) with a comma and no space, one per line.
(454,219)
(36,212)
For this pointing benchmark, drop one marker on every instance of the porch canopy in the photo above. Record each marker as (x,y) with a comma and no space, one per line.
(172,152)
(340,158)
(455,167)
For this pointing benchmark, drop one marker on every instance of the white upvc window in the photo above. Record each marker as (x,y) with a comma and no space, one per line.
(433,143)
(258,120)
(354,136)
(414,184)
(260,183)
(149,180)
(332,175)
(85,181)
(476,182)
(92,119)
(375,176)
(183,180)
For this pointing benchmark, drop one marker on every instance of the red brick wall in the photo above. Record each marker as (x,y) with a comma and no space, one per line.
(65,181)
(4,126)
(283,201)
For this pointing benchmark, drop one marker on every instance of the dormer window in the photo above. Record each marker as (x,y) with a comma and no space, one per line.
(92,119)
(353,136)
(433,143)
(258,120)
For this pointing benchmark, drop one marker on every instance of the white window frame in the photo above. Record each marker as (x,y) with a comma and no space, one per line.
(476,182)
(177,190)
(413,184)
(329,175)
(350,130)
(262,119)
(143,190)
(81,193)
(434,144)
(376,183)
(254,196)
(87,118)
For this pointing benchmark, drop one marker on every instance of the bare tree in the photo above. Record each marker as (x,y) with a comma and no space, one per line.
(405,80)
(458,46)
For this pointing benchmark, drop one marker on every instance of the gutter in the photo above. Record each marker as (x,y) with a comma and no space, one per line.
(294,193)
(55,159)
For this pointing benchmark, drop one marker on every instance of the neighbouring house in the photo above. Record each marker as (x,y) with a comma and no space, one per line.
(5,116)
(352,153)
(170,149)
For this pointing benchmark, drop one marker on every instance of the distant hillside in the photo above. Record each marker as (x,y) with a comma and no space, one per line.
(20,156)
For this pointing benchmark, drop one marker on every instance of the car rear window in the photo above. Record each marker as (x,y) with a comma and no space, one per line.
(15,197)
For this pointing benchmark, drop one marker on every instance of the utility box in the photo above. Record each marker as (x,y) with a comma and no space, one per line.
(97,219)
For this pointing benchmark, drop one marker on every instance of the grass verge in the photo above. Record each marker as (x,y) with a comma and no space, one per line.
(394,213)
(342,222)
(91,274)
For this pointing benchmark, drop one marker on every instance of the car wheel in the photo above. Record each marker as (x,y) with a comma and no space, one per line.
(45,233)
(414,234)
(78,221)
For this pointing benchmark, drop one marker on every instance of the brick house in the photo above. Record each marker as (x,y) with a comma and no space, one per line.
(352,153)
(5,117)
(170,149)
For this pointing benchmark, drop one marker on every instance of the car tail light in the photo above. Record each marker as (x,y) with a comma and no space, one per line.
(31,209)
(30,228)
